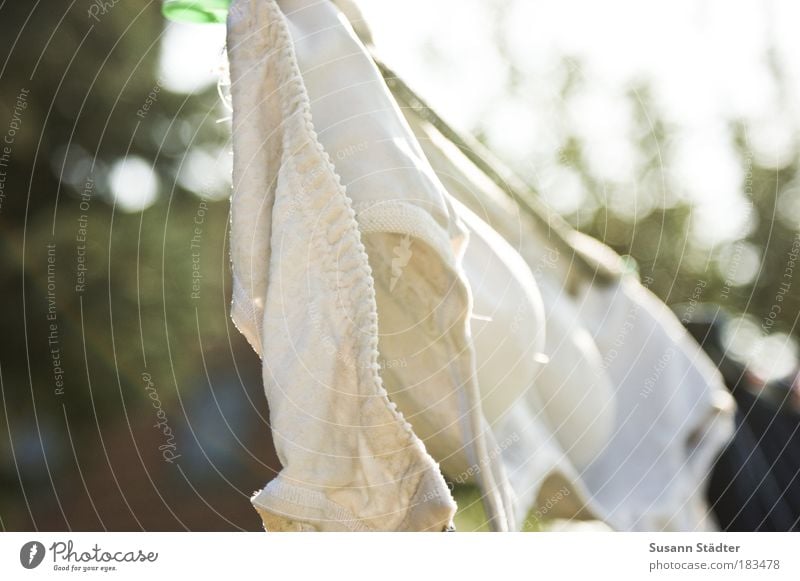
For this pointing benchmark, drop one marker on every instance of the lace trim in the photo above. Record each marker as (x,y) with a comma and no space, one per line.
(302,152)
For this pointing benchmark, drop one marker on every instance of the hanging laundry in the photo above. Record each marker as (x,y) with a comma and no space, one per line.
(377,266)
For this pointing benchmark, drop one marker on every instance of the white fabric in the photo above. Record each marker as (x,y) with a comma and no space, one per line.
(304,297)
(651,473)
(414,241)
(576,392)
(360,277)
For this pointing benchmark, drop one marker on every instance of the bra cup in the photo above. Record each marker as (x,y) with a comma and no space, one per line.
(508,327)
(575,392)
(571,392)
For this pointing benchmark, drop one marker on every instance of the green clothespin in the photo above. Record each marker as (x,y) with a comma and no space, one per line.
(196,11)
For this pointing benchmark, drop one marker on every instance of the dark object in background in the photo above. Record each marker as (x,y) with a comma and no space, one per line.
(755,483)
